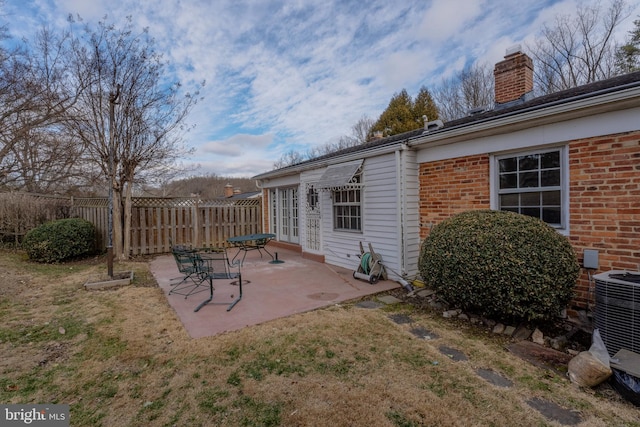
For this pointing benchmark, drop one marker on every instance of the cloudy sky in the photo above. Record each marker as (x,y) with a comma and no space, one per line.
(292,74)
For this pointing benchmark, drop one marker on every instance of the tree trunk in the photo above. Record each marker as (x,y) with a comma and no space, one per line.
(117,224)
(127,221)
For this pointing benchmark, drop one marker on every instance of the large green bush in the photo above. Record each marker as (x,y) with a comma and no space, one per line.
(500,264)
(56,241)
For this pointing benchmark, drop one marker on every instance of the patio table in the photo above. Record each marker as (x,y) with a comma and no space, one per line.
(251,242)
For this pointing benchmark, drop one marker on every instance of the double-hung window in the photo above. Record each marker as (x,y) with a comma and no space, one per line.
(344,180)
(532,184)
(347,206)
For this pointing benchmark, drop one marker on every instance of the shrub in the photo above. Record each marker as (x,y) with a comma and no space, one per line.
(500,264)
(56,241)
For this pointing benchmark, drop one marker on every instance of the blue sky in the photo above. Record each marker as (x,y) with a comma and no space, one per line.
(293,74)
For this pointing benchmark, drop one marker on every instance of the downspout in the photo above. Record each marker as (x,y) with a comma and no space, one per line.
(401,208)
(264,199)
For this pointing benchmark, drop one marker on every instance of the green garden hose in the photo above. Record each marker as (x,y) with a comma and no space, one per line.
(364,262)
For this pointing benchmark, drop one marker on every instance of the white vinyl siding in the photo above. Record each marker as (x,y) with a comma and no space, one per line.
(379,217)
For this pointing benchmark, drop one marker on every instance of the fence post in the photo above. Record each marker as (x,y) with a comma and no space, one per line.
(196,225)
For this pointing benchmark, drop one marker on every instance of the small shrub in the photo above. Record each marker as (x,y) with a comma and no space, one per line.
(500,264)
(56,241)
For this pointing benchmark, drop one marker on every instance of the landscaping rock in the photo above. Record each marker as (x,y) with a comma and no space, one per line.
(425,293)
(537,337)
(436,305)
(509,330)
(451,313)
(463,316)
(522,333)
(498,328)
(490,323)
(559,343)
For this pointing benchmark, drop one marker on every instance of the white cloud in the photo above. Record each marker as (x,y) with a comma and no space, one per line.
(237,145)
(285,74)
(445,19)
(87,10)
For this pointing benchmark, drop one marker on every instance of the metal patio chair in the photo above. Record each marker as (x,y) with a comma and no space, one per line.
(193,273)
(216,265)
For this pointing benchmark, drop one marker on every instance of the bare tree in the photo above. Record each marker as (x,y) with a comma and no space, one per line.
(360,133)
(469,89)
(361,130)
(578,49)
(36,96)
(149,114)
(289,158)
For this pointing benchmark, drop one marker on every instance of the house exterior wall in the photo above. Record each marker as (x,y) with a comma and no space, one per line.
(604,194)
(380,218)
(389,193)
(605,202)
(451,186)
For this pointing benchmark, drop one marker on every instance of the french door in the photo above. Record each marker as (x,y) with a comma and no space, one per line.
(285,214)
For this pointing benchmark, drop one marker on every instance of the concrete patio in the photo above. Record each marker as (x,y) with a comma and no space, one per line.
(269,290)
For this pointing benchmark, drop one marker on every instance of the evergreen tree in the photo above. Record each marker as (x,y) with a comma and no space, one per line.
(628,55)
(424,105)
(404,114)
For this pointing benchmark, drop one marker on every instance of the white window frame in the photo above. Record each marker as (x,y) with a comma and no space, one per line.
(353,187)
(496,192)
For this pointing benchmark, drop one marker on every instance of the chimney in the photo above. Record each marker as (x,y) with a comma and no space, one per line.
(228,190)
(513,76)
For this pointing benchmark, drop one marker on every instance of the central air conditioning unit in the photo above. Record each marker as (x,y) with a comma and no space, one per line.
(617,313)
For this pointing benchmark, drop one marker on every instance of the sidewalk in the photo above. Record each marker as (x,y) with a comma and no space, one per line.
(269,290)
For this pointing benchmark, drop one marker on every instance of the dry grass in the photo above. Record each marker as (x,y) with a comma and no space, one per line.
(122,358)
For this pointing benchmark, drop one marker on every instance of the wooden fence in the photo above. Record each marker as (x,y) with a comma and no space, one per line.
(158,222)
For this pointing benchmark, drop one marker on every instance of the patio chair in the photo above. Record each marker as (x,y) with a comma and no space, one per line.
(192,281)
(217,266)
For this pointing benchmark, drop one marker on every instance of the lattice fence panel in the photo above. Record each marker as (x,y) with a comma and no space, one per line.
(156,223)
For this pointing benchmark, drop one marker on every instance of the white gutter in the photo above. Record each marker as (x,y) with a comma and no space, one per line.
(357,155)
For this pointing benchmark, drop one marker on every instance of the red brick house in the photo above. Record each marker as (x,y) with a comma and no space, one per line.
(571,158)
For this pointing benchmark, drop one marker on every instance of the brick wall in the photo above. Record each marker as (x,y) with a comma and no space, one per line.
(604,175)
(452,186)
(605,202)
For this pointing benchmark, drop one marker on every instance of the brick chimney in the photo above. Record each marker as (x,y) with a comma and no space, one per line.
(228,190)
(513,76)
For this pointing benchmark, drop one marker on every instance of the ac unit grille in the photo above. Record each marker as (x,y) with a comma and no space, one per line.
(617,312)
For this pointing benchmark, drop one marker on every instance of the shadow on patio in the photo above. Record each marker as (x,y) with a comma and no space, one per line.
(269,290)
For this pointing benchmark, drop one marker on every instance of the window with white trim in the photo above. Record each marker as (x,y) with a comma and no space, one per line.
(347,205)
(532,184)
